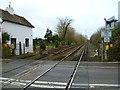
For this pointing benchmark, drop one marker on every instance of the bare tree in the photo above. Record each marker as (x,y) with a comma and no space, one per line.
(62,26)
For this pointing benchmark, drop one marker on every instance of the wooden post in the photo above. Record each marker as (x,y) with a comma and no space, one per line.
(23,48)
(20,48)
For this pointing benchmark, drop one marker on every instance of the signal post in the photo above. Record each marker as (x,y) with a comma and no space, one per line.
(107,34)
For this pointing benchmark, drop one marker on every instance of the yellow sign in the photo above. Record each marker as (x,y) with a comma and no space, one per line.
(107,47)
(111,45)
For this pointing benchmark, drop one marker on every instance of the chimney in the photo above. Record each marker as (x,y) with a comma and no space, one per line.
(119,10)
(10,9)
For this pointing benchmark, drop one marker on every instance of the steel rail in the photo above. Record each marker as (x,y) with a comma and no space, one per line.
(30,62)
(22,74)
(19,75)
(69,84)
(26,86)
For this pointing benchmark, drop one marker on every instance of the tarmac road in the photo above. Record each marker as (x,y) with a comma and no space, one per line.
(90,76)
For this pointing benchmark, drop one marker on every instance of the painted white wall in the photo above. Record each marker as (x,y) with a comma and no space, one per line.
(20,32)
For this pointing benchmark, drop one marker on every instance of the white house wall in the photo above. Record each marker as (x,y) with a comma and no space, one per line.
(19,32)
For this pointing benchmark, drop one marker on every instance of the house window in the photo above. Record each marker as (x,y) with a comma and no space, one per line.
(27,42)
(13,42)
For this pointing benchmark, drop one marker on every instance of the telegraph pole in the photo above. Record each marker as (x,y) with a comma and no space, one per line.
(106,42)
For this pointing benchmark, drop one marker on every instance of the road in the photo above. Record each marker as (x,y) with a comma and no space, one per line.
(90,75)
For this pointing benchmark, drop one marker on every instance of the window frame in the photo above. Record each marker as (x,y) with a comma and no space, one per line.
(26,42)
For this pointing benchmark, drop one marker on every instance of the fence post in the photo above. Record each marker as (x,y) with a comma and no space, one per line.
(20,49)
(5,52)
(23,48)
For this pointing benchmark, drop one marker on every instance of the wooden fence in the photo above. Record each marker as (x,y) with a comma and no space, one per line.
(6,51)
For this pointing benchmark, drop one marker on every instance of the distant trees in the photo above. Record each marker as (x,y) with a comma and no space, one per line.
(52,39)
(36,41)
(79,38)
(48,35)
(96,37)
(67,33)
(63,27)
(70,35)
(114,52)
(55,38)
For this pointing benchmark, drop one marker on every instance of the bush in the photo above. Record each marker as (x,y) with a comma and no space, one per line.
(56,44)
(114,52)
(42,46)
(5,37)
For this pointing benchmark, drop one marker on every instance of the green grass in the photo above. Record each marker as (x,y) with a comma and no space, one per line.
(47,47)
(50,47)
(37,47)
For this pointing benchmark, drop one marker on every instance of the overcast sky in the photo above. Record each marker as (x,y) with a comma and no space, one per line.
(87,15)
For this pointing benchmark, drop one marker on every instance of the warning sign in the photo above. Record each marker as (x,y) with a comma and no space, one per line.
(106,39)
(107,47)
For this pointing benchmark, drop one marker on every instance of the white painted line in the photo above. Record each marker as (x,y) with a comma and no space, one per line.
(18,83)
(5,59)
(97,85)
(37,82)
(92,86)
(40,86)
(48,84)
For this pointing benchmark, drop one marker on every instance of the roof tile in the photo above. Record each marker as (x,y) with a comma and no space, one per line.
(6,16)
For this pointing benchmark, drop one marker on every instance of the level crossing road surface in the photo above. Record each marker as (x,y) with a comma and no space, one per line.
(90,75)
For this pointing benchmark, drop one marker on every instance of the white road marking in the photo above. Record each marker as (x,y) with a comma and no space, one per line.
(97,85)
(92,86)
(5,59)
(47,84)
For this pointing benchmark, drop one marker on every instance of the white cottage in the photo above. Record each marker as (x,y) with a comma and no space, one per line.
(20,31)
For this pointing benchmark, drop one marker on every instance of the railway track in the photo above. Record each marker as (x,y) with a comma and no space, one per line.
(25,87)
(49,54)
(18,76)
(35,59)
(69,84)
(72,76)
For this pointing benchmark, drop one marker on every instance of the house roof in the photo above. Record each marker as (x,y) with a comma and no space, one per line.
(6,16)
